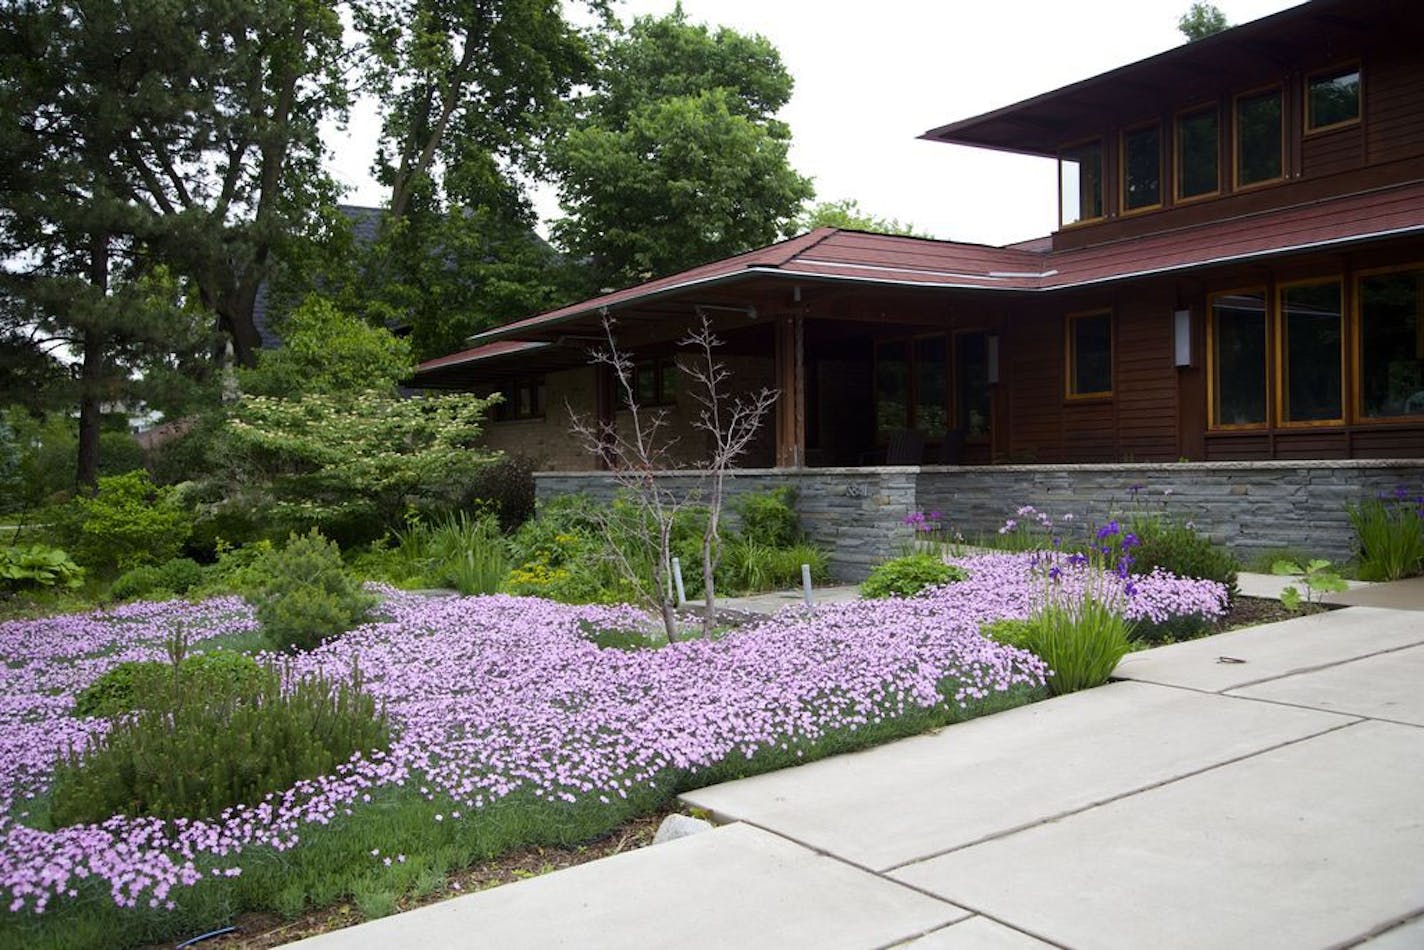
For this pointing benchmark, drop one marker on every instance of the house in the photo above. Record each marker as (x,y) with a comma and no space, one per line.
(1238,275)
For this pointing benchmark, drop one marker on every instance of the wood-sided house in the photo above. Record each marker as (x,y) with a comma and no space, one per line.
(1238,275)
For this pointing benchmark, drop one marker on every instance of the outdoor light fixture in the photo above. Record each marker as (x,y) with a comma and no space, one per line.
(1182,337)
(750,311)
(991,357)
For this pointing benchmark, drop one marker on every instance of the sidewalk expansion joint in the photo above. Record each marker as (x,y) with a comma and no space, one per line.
(1268,679)
(1051,819)
(975,913)
(1380,929)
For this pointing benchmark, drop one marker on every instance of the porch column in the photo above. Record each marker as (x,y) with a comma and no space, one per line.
(791,382)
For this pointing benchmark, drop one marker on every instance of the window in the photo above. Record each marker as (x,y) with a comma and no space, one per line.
(1080,183)
(1391,344)
(1142,168)
(971,378)
(523,399)
(931,372)
(912,386)
(892,387)
(1332,98)
(1259,138)
(654,383)
(1198,153)
(1089,354)
(1238,359)
(1311,354)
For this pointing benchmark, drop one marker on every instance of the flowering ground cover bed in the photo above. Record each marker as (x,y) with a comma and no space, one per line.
(513,728)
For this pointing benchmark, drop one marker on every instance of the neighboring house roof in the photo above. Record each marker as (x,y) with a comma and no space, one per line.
(830,254)
(365,228)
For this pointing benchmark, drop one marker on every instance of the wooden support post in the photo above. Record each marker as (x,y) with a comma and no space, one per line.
(791,406)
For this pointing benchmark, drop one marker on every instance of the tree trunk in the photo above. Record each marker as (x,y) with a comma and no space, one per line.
(91,372)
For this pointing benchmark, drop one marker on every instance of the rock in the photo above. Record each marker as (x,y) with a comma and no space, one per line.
(680,826)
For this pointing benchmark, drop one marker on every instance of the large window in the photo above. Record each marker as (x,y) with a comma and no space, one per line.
(1332,98)
(912,386)
(1198,153)
(1142,168)
(1311,353)
(1089,369)
(1391,344)
(974,399)
(1260,138)
(1238,359)
(1080,176)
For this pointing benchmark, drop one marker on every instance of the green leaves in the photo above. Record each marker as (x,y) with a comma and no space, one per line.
(38,565)
(1317,576)
(675,159)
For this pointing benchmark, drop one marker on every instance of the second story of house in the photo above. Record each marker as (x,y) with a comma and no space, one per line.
(1317,101)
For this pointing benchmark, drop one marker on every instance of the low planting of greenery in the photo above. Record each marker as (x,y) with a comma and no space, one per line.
(769,518)
(155,684)
(1389,531)
(457,551)
(203,751)
(32,566)
(155,581)
(1081,637)
(1317,577)
(906,576)
(750,566)
(306,593)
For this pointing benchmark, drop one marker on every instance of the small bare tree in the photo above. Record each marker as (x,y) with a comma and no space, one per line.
(635,456)
(638,453)
(731,422)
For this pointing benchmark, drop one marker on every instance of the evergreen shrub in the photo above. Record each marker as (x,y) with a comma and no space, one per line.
(305,593)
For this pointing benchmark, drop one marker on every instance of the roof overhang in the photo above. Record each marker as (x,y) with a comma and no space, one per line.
(1250,54)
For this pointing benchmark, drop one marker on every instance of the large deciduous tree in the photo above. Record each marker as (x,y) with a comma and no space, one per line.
(675,157)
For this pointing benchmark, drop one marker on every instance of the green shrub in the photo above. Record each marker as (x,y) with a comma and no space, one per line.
(35,566)
(1081,638)
(214,752)
(459,551)
(306,594)
(174,577)
(1175,547)
(1390,534)
(127,523)
(241,570)
(768,518)
(504,487)
(150,684)
(905,576)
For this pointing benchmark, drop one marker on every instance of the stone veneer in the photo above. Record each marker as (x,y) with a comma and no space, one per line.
(1251,507)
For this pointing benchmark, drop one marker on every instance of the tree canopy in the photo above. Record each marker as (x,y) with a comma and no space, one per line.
(847,213)
(1202,20)
(675,157)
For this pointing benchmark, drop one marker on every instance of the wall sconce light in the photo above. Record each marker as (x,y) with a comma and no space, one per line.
(1182,337)
(991,357)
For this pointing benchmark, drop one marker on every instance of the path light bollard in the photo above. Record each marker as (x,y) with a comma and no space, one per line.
(677,579)
(806,583)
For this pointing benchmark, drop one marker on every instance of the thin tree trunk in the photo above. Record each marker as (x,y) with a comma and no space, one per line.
(91,373)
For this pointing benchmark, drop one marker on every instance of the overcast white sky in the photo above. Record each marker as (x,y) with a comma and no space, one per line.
(870,77)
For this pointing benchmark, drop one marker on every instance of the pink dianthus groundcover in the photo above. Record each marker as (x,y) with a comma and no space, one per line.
(490,696)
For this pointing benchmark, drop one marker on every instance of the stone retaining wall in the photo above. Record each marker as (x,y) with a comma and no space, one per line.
(1251,507)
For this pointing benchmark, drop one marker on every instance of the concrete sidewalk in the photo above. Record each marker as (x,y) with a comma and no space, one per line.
(1260,788)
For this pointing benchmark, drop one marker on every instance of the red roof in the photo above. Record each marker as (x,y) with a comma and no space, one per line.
(832,254)
(500,348)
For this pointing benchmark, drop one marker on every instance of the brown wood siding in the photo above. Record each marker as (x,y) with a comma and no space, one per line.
(1394,119)
(1388,442)
(1146,380)
(1031,369)
(1336,150)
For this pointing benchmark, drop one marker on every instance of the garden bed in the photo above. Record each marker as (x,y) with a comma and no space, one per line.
(514,730)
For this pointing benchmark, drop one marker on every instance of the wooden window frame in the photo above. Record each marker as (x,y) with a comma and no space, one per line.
(1280,90)
(1122,135)
(1267,369)
(1282,367)
(1357,353)
(1177,163)
(662,366)
(1070,352)
(912,382)
(1309,130)
(508,409)
(1102,175)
